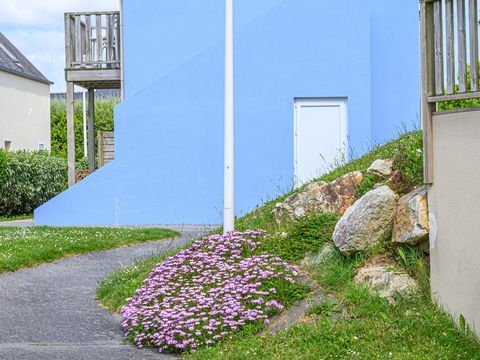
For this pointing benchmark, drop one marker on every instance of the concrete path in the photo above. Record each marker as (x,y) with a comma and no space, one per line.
(50,311)
(25,222)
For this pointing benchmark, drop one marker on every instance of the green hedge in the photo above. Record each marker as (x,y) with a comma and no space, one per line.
(460,104)
(103,122)
(28,179)
(3,165)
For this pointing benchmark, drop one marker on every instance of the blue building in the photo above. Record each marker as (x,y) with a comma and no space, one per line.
(315,81)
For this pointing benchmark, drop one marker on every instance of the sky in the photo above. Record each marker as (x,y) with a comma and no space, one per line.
(36,28)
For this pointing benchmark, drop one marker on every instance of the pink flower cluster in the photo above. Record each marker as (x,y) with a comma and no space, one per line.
(204,293)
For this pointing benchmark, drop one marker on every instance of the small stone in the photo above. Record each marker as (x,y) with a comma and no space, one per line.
(386,281)
(366,222)
(411,224)
(381,168)
(334,197)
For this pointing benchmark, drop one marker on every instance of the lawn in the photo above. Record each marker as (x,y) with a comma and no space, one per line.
(29,246)
(370,327)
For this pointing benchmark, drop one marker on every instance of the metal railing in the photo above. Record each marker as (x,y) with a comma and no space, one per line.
(93,40)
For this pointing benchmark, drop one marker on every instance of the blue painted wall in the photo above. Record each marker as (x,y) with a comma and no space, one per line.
(395,68)
(169,130)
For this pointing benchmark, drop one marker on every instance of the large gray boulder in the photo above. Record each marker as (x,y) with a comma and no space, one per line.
(386,281)
(411,224)
(366,222)
(334,197)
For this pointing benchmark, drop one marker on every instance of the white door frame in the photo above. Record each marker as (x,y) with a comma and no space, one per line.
(342,103)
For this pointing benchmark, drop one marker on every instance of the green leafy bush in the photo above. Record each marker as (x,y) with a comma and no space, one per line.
(29,179)
(103,122)
(81,164)
(460,104)
(3,164)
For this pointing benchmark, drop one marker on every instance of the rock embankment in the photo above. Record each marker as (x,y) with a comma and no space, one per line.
(335,197)
(380,215)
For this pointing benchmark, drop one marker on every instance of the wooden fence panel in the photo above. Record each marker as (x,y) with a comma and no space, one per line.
(450,45)
(462,47)
(473,14)
(438,41)
(106,147)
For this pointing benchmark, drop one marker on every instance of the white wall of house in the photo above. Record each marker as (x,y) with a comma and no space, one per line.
(24,113)
(454,207)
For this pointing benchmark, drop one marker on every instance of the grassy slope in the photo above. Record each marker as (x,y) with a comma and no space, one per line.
(370,327)
(29,246)
(407,144)
(122,284)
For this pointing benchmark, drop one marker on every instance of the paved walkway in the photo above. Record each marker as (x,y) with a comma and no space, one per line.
(25,222)
(50,311)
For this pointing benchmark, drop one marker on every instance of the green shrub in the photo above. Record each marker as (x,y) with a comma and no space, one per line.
(460,104)
(81,164)
(29,179)
(3,164)
(103,122)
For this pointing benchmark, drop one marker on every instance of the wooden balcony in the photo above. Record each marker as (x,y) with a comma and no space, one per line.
(93,49)
(93,54)
(450,54)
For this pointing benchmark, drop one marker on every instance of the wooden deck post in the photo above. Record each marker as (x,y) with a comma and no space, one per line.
(427,76)
(100,149)
(70,134)
(91,130)
(120,44)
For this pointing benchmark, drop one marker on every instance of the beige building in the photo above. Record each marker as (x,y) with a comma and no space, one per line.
(24,102)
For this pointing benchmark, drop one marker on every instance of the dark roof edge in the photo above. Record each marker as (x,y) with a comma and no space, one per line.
(19,73)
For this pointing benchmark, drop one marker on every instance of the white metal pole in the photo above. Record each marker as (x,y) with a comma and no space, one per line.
(228,199)
(85,148)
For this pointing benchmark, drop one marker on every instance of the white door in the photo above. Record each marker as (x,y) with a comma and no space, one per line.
(320,136)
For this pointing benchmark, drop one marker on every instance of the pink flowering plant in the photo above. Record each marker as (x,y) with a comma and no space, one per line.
(212,289)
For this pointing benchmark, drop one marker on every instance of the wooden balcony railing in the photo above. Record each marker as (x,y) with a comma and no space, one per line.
(450,49)
(93,40)
(449,61)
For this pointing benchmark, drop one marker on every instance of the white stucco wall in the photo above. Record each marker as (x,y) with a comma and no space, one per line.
(24,112)
(454,204)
